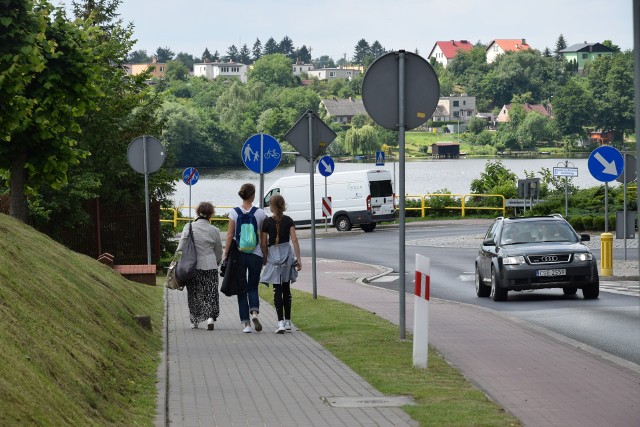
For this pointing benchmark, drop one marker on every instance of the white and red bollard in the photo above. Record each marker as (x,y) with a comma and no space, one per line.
(421,313)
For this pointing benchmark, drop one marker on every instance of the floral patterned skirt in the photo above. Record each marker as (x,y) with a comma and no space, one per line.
(203,297)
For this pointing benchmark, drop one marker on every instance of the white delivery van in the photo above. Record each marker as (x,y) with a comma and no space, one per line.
(360,198)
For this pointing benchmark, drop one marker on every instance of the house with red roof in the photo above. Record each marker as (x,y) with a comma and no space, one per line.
(500,46)
(503,117)
(445,51)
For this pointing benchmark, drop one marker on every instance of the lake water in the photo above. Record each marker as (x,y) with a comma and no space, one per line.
(220,186)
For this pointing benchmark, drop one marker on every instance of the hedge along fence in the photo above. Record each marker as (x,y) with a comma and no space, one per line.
(594,222)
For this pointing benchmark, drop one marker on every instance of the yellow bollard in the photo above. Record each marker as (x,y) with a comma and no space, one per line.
(606,254)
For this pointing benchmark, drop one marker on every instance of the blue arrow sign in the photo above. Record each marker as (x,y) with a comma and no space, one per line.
(379,158)
(190,176)
(605,163)
(325,166)
(261,153)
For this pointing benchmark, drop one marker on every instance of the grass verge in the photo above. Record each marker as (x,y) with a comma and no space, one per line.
(71,351)
(371,347)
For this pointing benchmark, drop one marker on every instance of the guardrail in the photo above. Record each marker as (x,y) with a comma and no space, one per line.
(175,218)
(463,208)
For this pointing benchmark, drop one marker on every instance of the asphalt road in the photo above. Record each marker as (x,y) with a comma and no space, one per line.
(610,323)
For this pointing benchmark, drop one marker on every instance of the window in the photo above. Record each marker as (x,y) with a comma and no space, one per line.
(585,55)
(464,102)
(456,103)
(332,73)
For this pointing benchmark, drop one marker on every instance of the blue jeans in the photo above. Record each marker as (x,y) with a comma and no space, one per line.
(249,301)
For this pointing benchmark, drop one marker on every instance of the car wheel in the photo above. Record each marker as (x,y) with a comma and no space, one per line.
(343,223)
(570,291)
(497,293)
(481,289)
(368,227)
(593,290)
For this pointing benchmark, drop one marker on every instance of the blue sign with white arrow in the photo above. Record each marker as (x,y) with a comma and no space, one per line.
(261,153)
(379,158)
(605,163)
(325,166)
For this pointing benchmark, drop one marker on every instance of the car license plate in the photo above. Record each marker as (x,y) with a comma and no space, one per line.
(549,273)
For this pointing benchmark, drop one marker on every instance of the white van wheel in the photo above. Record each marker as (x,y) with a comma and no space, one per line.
(343,223)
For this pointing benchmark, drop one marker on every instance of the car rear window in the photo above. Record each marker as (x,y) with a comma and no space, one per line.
(380,188)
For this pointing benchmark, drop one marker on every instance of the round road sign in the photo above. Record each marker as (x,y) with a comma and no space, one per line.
(261,153)
(155,154)
(381,93)
(190,176)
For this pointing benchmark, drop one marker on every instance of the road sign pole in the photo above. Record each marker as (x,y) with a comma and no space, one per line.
(326,218)
(313,208)
(146,196)
(624,204)
(606,207)
(401,129)
(261,169)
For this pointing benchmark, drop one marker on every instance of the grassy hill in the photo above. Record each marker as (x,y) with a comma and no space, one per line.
(71,352)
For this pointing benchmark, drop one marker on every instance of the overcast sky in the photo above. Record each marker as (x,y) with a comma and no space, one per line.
(334,27)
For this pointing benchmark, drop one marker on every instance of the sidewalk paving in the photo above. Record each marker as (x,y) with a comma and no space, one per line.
(224,377)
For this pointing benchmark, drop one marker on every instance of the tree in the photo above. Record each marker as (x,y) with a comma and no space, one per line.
(361,52)
(495,179)
(611,82)
(164,54)
(271,47)
(186,59)
(560,45)
(475,125)
(573,107)
(272,70)
(534,128)
(232,53)
(176,70)
(610,44)
(303,55)
(285,47)
(50,71)
(244,56)
(138,57)
(324,62)
(206,55)
(377,50)
(257,50)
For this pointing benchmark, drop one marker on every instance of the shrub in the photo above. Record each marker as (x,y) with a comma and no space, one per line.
(598,223)
(587,222)
(576,222)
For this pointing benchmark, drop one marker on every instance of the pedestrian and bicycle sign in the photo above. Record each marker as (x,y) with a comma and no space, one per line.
(605,163)
(190,176)
(261,153)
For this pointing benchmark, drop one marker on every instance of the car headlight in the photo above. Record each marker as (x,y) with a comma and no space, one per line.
(513,260)
(583,257)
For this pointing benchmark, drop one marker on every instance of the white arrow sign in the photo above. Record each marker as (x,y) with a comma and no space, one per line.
(609,167)
(327,167)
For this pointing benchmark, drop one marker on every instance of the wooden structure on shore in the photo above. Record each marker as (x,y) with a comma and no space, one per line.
(445,150)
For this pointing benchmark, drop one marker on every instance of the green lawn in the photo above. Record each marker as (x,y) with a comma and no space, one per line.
(371,347)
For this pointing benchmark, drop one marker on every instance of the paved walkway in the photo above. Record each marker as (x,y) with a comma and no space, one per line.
(226,378)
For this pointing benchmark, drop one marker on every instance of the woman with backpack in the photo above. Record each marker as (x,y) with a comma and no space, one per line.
(278,235)
(245,222)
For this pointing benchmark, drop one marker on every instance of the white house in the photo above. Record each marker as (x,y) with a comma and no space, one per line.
(444,51)
(299,68)
(500,46)
(452,108)
(333,73)
(213,70)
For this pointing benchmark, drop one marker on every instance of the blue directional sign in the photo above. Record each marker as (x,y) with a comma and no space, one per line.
(325,166)
(379,158)
(605,163)
(190,176)
(261,153)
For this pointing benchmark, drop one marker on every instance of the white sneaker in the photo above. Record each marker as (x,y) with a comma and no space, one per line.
(194,326)
(287,325)
(210,325)
(256,323)
(281,328)
(247,329)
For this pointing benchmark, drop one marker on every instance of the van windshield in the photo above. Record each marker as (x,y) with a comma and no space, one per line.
(381,188)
